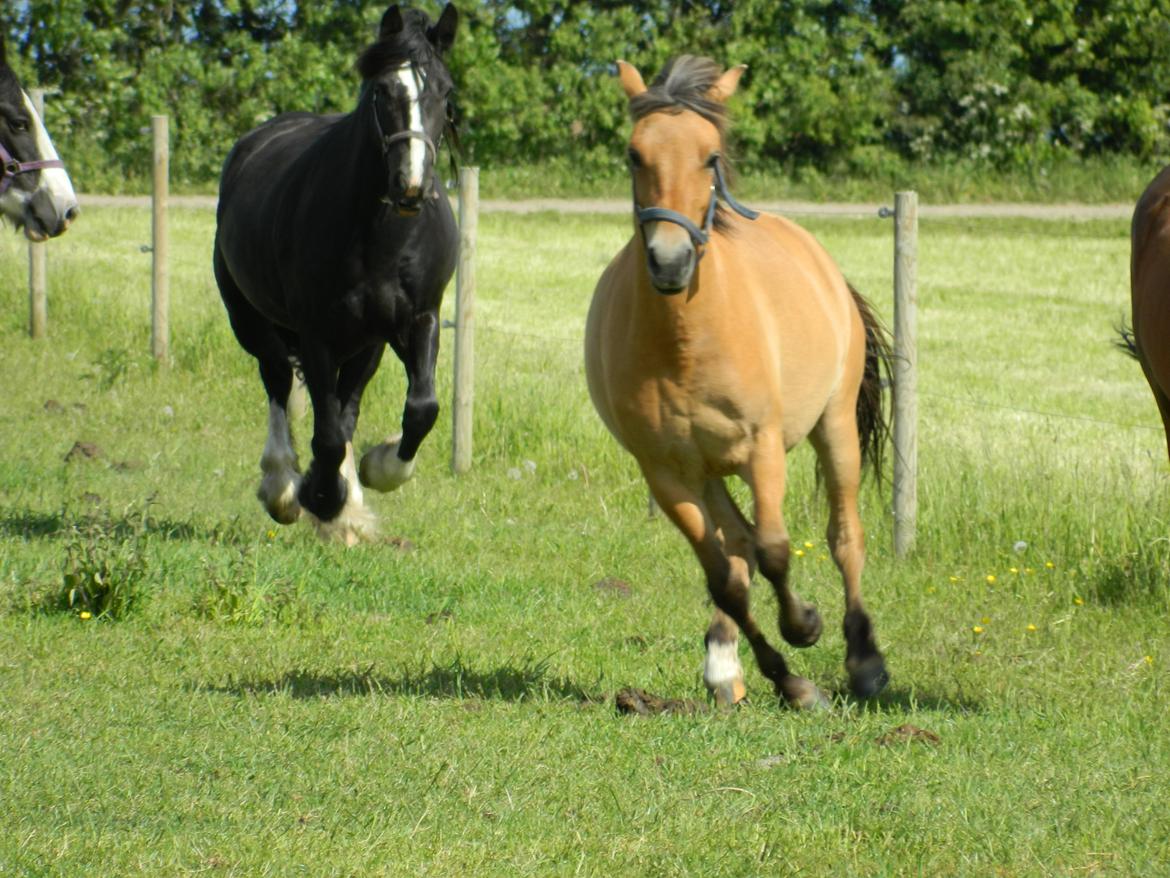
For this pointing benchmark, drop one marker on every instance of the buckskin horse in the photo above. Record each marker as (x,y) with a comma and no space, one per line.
(35,192)
(717,339)
(333,238)
(1149,337)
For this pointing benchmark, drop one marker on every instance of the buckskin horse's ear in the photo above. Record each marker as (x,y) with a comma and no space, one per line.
(726,84)
(391,23)
(442,35)
(631,79)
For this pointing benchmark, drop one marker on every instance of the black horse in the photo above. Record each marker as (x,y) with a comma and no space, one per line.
(333,238)
(35,192)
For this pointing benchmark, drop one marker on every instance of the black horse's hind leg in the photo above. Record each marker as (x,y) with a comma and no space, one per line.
(278,463)
(387,466)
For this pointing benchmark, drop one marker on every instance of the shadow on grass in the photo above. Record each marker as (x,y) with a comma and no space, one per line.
(897,699)
(29,525)
(526,681)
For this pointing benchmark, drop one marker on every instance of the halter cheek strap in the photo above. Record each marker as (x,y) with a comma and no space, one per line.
(699,236)
(11,167)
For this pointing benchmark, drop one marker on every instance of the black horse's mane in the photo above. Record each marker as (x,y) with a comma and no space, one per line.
(410,45)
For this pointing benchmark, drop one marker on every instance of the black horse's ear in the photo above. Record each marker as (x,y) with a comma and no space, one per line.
(442,34)
(3,51)
(391,23)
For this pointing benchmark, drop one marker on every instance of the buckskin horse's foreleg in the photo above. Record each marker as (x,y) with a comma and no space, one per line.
(800,623)
(728,589)
(389,465)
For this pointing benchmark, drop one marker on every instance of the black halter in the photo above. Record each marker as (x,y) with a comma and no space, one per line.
(388,140)
(10,167)
(699,236)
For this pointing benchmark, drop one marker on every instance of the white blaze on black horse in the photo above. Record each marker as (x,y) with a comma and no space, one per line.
(35,192)
(334,238)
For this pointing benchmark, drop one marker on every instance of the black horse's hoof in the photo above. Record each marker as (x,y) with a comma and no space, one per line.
(323,496)
(868,677)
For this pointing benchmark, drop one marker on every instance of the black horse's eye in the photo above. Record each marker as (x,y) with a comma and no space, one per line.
(634,157)
(19,125)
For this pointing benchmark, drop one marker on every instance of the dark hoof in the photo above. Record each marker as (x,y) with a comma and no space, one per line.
(323,496)
(868,677)
(807,629)
(801,694)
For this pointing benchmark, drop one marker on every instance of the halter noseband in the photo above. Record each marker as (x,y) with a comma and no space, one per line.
(699,236)
(12,167)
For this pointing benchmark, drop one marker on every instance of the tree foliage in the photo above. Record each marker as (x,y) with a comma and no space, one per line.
(832,84)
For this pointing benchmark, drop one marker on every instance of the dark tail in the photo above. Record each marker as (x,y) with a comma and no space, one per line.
(873,428)
(1126,341)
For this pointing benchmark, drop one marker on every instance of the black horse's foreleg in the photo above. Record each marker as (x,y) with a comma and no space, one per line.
(422,407)
(323,491)
(389,465)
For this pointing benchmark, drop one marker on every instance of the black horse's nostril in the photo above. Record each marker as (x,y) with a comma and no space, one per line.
(72,213)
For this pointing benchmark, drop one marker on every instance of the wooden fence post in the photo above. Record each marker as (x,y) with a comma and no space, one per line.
(160,298)
(905,372)
(38,306)
(464,393)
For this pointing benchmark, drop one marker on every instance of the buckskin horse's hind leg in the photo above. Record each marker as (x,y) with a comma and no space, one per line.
(391,464)
(835,441)
(280,473)
(687,510)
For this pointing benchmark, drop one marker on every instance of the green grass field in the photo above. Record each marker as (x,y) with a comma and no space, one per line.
(270,705)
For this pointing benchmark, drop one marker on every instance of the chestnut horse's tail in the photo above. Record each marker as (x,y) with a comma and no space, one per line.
(873,426)
(1126,341)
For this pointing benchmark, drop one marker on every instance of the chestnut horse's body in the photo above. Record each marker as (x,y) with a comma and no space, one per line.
(1150,290)
(711,353)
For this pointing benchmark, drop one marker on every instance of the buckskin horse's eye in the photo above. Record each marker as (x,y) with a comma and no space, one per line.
(634,157)
(713,160)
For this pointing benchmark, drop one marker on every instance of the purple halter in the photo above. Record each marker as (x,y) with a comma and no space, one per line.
(11,167)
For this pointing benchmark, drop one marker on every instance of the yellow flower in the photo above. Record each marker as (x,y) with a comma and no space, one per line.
(1030,627)
(1014,569)
(823,558)
(271,535)
(1029,570)
(977,629)
(1150,660)
(85,614)
(991,579)
(1049,565)
(986,620)
(799,553)
(954,578)
(930,589)
(807,544)
(1078,601)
